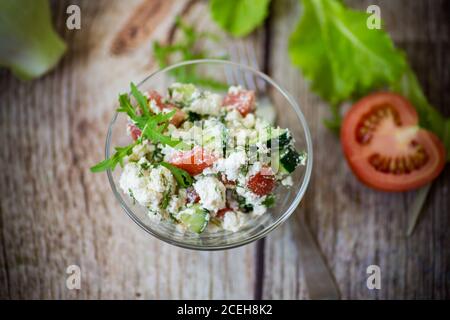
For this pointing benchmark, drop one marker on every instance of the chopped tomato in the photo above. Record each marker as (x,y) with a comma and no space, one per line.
(193,161)
(155,96)
(177,118)
(243,101)
(192,195)
(262,183)
(222,212)
(385,147)
(134,131)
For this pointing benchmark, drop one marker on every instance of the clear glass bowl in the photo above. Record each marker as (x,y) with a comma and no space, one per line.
(289,116)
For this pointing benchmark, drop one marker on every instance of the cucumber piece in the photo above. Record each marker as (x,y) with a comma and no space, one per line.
(289,160)
(279,138)
(195,218)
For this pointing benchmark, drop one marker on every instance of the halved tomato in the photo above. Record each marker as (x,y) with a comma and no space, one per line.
(193,161)
(385,147)
(242,100)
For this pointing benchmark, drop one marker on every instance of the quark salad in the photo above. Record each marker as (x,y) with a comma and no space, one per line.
(201,160)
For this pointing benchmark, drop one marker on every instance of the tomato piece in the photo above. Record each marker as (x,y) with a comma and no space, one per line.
(179,115)
(134,131)
(193,161)
(192,195)
(222,212)
(262,183)
(385,147)
(156,97)
(242,100)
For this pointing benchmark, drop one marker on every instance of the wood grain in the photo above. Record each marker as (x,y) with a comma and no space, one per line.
(54,212)
(355,226)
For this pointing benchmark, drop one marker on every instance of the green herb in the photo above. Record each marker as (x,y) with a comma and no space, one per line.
(345,60)
(166,199)
(151,125)
(130,192)
(145,165)
(117,158)
(239,17)
(243,205)
(269,201)
(187,48)
(183,178)
(192,116)
(29,45)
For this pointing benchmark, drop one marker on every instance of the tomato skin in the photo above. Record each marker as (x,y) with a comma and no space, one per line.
(177,118)
(193,161)
(243,101)
(395,139)
(134,131)
(221,213)
(262,183)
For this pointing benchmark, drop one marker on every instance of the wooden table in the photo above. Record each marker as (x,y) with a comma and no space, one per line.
(55,213)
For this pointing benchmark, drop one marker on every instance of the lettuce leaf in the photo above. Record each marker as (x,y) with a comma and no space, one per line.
(239,17)
(344,60)
(29,45)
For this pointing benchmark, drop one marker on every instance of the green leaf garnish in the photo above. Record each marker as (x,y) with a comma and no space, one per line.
(239,17)
(117,158)
(152,126)
(183,178)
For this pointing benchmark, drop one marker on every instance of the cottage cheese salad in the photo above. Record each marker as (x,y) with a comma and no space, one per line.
(201,160)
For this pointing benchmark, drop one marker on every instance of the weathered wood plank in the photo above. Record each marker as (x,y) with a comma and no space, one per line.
(354,225)
(55,213)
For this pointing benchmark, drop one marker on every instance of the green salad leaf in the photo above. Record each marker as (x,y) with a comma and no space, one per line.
(339,54)
(29,45)
(343,60)
(117,158)
(239,17)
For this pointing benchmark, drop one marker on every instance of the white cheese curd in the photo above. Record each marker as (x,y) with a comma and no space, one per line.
(249,121)
(211,192)
(140,150)
(233,220)
(206,104)
(176,202)
(147,187)
(287,182)
(231,165)
(259,209)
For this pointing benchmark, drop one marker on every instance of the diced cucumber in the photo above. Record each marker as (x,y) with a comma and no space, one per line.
(289,160)
(195,218)
(181,93)
(279,138)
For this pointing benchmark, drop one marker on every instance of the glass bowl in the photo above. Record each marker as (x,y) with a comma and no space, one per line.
(288,115)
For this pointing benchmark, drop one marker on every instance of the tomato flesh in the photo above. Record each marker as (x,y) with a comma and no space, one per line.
(385,147)
(221,212)
(193,161)
(262,183)
(242,100)
(134,131)
(192,195)
(179,115)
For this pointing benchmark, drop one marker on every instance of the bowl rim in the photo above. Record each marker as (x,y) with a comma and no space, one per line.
(263,232)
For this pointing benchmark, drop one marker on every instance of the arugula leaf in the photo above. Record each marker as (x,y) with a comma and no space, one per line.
(117,158)
(339,54)
(152,126)
(183,178)
(143,103)
(187,48)
(239,17)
